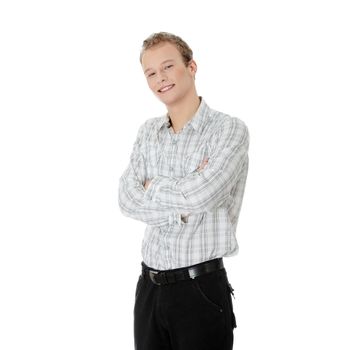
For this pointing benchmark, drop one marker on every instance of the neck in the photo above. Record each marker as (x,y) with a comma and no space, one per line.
(181,112)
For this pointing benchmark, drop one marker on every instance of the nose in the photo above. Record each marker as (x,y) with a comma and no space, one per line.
(161,77)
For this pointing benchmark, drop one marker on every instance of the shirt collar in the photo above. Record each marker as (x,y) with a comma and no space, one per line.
(197,121)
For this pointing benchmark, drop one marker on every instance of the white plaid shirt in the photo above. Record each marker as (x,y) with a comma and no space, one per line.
(191,214)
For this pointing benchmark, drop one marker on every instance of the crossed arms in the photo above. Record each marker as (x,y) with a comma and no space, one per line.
(167,198)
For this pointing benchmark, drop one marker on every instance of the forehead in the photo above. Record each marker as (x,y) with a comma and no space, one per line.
(159,53)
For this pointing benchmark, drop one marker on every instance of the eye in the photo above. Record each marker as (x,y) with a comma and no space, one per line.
(150,75)
(169,66)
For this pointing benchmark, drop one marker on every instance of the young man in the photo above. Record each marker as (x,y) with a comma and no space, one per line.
(186,181)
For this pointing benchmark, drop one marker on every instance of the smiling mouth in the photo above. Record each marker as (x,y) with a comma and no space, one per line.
(166,88)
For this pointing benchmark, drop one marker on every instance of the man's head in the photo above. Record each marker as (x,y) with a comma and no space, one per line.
(162,37)
(168,67)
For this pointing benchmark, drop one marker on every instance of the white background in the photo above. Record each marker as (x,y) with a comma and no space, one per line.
(72,97)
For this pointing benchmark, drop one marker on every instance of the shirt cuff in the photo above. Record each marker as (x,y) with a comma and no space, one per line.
(175,219)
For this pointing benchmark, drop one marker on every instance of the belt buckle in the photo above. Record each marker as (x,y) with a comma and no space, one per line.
(151,276)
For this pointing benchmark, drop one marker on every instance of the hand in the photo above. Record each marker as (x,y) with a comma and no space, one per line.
(147,183)
(203,164)
(201,167)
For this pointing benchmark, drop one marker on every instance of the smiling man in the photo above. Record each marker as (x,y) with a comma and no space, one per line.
(185,180)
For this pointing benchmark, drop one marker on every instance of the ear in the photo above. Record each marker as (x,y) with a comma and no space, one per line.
(192,67)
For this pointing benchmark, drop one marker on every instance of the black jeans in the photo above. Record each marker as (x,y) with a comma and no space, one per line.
(194,314)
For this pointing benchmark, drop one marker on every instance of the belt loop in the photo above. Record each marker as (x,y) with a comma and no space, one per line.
(171,278)
(165,278)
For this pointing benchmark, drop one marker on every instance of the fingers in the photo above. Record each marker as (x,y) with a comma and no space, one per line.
(147,183)
(203,164)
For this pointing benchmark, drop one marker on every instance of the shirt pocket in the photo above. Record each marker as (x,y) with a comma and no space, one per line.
(152,154)
(193,160)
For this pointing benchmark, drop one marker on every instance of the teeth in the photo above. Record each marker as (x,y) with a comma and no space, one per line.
(166,88)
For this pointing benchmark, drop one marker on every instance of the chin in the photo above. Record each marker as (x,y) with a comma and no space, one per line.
(168,100)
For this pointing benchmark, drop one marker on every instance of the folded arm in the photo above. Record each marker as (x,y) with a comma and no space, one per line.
(207,189)
(131,196)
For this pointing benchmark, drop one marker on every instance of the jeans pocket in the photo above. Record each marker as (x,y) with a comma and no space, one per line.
(206,297)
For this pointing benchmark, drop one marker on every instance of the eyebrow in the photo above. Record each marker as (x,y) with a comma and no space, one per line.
(170,60)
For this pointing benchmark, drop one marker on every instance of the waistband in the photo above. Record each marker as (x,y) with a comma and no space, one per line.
(163,277)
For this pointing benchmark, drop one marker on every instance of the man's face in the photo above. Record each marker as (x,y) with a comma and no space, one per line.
(166,73)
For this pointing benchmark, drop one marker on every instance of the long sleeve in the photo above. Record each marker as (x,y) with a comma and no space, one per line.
(207,189)
(131,197)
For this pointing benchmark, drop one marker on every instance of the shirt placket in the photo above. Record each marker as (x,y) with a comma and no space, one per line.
(172,160)
(173,147)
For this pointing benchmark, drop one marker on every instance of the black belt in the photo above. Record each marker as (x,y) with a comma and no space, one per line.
(185,273)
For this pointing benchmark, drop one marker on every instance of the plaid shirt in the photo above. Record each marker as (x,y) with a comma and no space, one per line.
(191,214)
